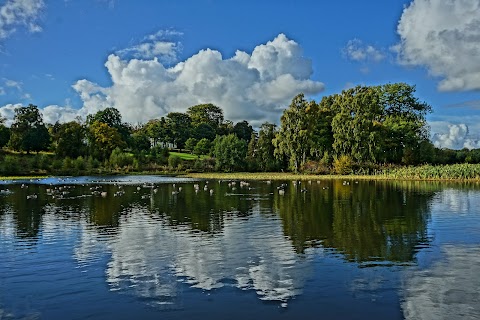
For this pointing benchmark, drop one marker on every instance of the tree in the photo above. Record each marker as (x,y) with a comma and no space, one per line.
(202,147)
(28,132)
(357,125)
(180,125)
(243,130)
(294,139)
(4,133)
(405,124)
(69,139)
(204,131)
(190,144)
(265,150)
(140,141)
(103,140)
(229,152)
(206,113)
(113,118)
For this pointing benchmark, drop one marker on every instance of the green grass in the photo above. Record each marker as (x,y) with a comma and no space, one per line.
(186,156)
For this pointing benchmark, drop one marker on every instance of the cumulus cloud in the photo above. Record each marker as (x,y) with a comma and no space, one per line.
(457,137)
(20,13)
(356,50)
(163,44)
(444,37)
(252,86)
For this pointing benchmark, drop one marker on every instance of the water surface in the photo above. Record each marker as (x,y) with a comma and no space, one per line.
(159,247)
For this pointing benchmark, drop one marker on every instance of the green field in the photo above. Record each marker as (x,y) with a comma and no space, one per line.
(186,156)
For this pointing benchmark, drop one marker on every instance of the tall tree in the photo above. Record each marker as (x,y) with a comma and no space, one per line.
(229,152)
(356,126)
(294,139)
(180,127)
(4,133)
(103,140)
(265,150)
(69,139)
(206,113)
(28,132)
(243,130)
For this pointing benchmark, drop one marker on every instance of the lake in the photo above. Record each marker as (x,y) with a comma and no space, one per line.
(152,247)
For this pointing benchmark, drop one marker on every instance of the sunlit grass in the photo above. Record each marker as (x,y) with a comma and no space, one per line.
(186,156)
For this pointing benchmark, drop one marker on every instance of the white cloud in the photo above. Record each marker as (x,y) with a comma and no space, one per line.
(444,37)
(164,49)
(13,84)
(8,112)
(247,86)
(20,13)
(2,91)
(457,137)
(356,50)
(254,87)
(161,44)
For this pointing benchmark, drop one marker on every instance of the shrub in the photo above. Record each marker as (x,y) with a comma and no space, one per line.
(343,165)
(174,162)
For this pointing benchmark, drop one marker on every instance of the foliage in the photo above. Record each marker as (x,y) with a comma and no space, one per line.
(174,161)
(294,139)
(229,152)
(202,147)
(69,139)
(4,135)
(120,159)
(265,150)
(243,130)
(190,144)
(28,132)
(180,125)
(343,165)
(207,114)
(103,140)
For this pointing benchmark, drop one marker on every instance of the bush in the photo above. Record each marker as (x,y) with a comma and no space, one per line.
(174,162)
(80,164)
(343,165)
(119,159)
(10,165)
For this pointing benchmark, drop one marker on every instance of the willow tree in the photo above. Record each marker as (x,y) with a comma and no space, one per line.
(295,136)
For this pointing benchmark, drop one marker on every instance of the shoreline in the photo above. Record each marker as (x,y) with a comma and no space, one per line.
(254,176)
(299,176)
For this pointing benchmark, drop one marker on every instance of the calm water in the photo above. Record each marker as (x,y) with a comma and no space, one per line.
(366,250)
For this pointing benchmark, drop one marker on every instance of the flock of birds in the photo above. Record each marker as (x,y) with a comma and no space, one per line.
(62,191)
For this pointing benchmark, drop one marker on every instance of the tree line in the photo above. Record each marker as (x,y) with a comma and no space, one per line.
(360,129)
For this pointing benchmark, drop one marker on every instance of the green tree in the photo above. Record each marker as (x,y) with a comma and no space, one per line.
(103,140)
(204,131)
(356,126)
(4,133)
(28,132)
(202,147)
(229,152)
(265,153)
(294,139)
(206,113)
(190,144)
(113,118)
(69,139)
(180,125)
(243,130)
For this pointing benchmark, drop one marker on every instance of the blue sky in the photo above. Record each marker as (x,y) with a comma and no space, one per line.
(147,58)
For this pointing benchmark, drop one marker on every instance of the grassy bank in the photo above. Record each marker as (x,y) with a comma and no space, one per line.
(456,172)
